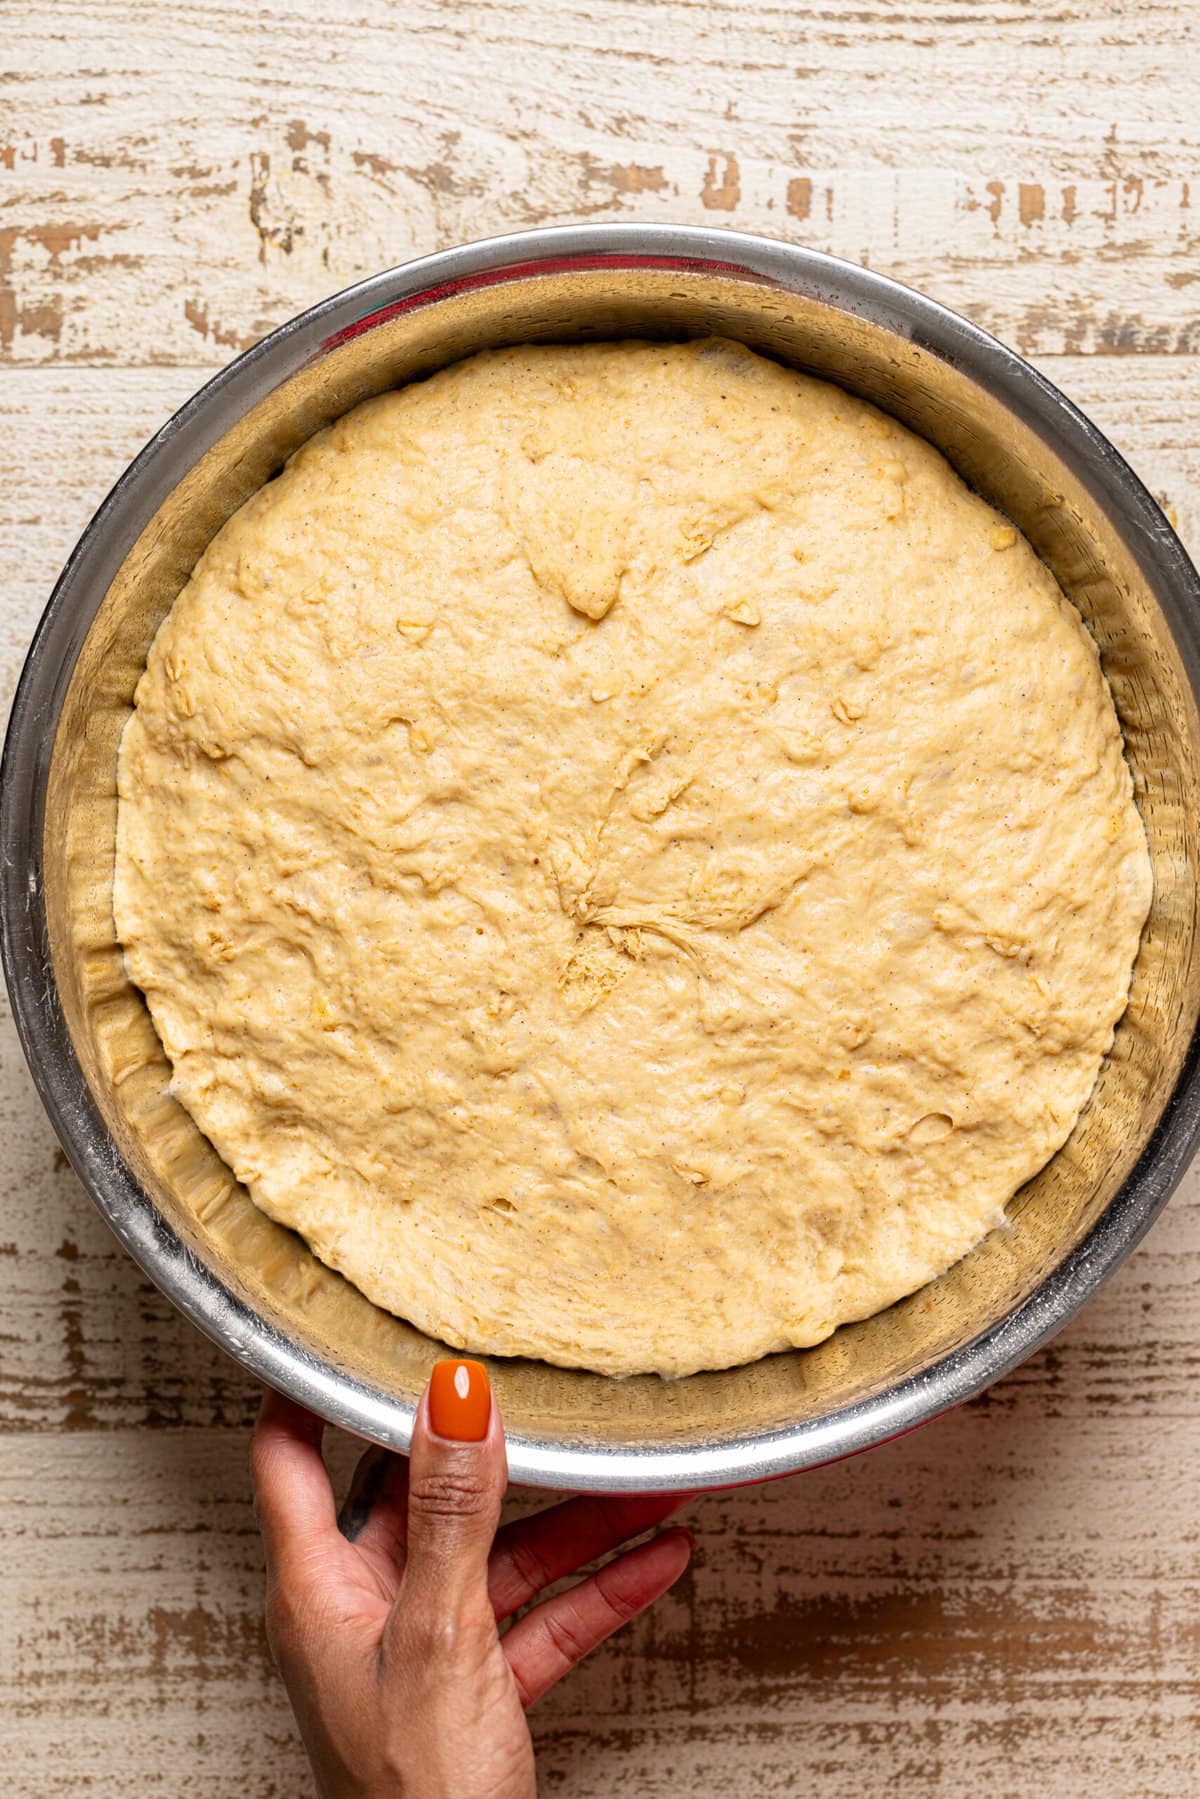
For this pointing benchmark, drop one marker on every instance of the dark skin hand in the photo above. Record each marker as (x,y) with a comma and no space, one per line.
(384,1622)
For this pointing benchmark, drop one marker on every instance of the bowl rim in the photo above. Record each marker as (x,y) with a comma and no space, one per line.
(198,424)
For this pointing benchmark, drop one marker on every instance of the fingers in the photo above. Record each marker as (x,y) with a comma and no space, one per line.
(363,1491)
(552,1640)
(292,1494)
(535,1552)
(374,1510)
(456,1479)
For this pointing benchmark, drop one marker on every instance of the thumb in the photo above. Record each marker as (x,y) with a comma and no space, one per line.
(456,1481)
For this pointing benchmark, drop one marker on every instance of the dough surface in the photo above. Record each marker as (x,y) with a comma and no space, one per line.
(628,855)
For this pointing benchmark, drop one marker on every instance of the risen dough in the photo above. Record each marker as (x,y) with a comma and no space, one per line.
(628,855)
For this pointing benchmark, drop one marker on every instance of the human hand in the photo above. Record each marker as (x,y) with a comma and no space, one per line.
(384,1621)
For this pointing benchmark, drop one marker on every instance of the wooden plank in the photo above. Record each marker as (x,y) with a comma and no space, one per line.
(933,1615)
(168,191)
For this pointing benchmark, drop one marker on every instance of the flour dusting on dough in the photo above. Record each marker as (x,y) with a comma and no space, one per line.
(628,855)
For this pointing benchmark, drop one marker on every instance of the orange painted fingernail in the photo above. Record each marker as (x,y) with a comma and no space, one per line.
(460,1401)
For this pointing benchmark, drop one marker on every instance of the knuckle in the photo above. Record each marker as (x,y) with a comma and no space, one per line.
(446,1634)
(565,1637)
(396,1760)
(610,1589)
(438,1634)
(530,1567)
(448,1493)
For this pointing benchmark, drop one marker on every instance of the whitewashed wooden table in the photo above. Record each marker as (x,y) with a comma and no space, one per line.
(1004,1603)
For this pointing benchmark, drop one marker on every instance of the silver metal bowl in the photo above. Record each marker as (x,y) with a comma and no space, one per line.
(254,1287)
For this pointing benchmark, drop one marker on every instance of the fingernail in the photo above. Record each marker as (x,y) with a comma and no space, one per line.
(460,1401)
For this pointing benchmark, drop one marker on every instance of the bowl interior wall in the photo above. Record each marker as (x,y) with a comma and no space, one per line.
(269,1268)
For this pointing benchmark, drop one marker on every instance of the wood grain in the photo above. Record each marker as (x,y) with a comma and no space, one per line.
(1003,1603)
(176,179)
(989,1604)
